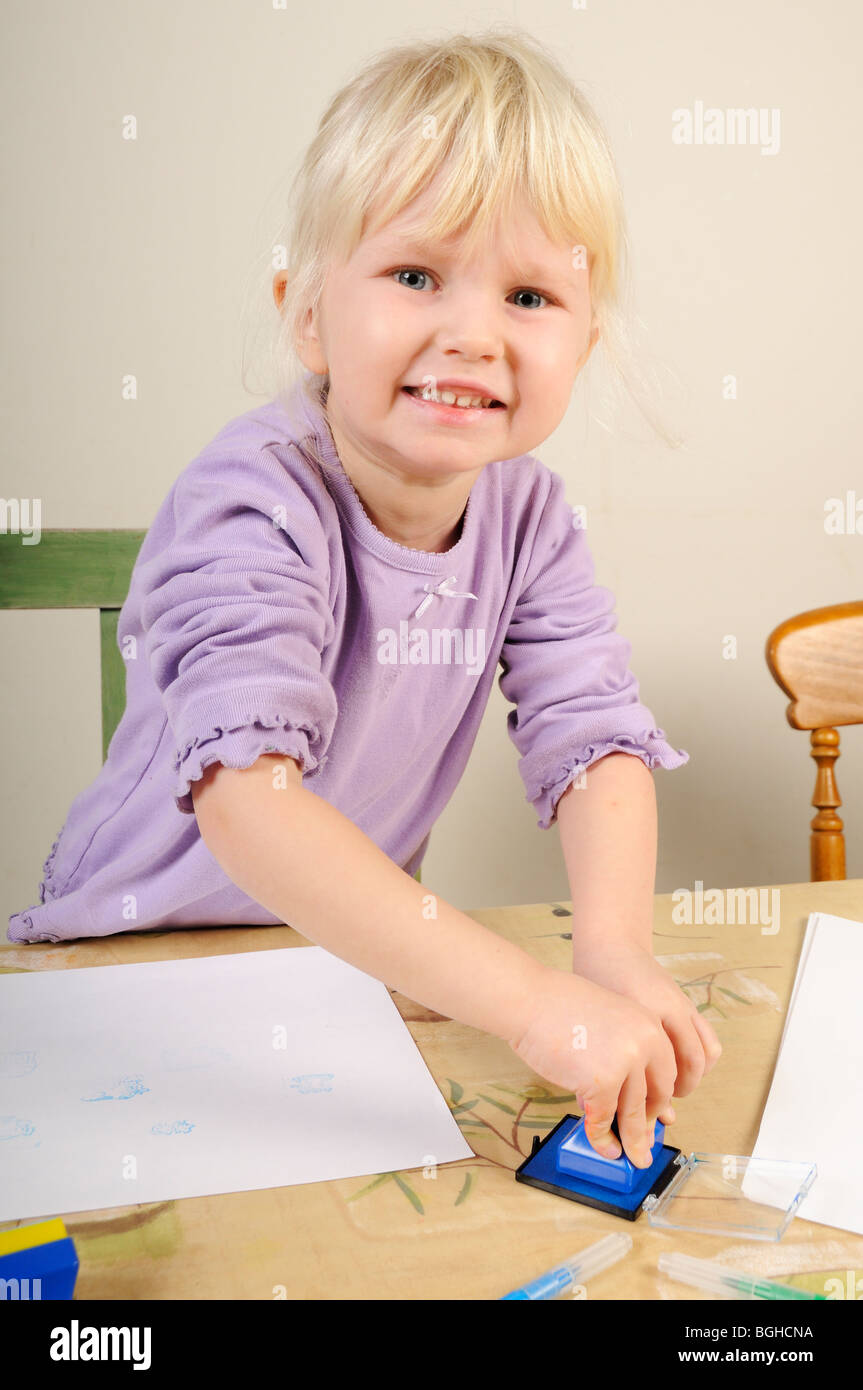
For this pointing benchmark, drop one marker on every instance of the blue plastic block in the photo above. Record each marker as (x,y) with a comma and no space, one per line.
(565,1164)
(577,1158)
(39,1272)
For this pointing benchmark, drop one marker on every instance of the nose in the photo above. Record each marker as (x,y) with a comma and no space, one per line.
(471,326)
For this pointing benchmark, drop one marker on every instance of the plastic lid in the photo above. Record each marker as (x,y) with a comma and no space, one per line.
(726,1194)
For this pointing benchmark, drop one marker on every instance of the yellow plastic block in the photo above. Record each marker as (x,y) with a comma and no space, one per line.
(24,1237)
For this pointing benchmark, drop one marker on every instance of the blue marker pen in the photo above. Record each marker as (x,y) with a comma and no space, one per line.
(563,1277)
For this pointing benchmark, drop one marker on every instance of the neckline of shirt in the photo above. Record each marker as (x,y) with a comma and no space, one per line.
(360,523)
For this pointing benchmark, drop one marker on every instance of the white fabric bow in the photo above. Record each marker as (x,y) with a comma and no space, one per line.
(443,590)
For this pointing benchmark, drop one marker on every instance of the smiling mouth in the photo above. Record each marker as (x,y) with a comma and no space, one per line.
(420,394)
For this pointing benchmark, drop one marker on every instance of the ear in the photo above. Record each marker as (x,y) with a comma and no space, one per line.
(592,341)
(280,281)
(310,349)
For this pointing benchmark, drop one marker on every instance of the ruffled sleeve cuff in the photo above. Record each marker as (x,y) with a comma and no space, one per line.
(240,748)
(651,747)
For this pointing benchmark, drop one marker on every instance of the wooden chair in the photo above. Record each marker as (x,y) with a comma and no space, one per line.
(79,569)
(817,659)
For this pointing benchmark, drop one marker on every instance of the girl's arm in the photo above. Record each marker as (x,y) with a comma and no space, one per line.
(311,866)
(608,836)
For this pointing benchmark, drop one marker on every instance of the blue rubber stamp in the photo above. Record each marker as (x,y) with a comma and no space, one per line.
(565,1163)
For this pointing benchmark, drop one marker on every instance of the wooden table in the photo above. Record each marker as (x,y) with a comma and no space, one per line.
(470,1231)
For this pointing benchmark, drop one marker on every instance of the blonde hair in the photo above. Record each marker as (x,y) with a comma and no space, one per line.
(499,118)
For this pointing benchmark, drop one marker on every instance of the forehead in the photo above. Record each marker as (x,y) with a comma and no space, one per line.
(521,244)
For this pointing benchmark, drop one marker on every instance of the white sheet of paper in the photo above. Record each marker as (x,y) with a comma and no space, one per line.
(811,927)
(813,1110)
(140,1083)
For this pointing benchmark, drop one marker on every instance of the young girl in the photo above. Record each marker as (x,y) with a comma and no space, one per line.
(317,613)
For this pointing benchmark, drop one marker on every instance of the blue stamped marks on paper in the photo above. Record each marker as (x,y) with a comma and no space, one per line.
(13,1128)
(124,1089)
(312,1082)
(172,1127)
(16,1064)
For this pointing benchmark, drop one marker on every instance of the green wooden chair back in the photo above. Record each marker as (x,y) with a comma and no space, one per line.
(77,569)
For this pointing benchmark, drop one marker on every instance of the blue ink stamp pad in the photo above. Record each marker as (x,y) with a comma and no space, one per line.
(566,1164)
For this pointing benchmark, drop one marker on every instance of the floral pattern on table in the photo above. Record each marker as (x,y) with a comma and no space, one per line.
(483,1116)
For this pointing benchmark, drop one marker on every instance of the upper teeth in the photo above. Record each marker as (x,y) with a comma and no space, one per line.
(450,398)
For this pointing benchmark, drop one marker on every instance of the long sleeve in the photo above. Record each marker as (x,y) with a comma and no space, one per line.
(235,615)
(566,669)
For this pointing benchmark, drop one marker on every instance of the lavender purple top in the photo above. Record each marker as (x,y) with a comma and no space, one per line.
(266,613)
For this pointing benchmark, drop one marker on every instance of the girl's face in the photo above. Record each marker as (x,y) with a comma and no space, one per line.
(514,324)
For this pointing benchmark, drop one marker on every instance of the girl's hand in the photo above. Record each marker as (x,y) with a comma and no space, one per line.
(631,971)
(607,1049)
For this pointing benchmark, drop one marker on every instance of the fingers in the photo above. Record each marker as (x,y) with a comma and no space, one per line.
(681,1047)
(598,1116)
(710,1042)
(696,1049)
(643,1097)
(636,1132)
(644,1094)
(689,1052)
(660,1077)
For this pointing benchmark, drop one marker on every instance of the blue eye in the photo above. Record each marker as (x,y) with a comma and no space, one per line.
(415,270)
(536,294)
(410,270)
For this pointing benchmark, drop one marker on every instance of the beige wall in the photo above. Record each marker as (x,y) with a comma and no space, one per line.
(133,257)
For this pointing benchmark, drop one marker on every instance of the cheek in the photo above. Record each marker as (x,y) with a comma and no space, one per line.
(554,366)
(372,335)
(544,397)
